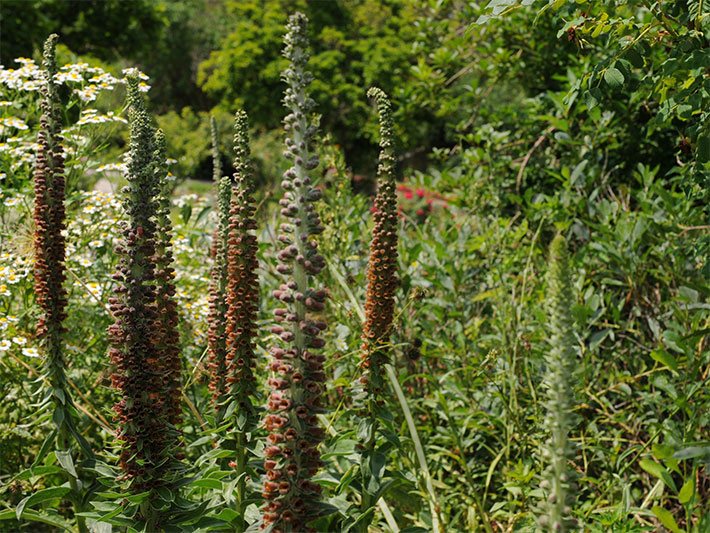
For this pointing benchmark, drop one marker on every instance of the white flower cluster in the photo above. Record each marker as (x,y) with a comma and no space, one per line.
(110,167)
(92,116)
(21,150)
(18,342)
(7,123)
(93,80)
(185,199)
(26,78)
(13,269)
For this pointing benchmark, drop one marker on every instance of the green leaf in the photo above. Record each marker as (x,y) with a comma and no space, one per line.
(613,77)
(39,471)
(665,359)
(666,519)
(65,459)
(32,516)
(44,449)
(111,514)
(206,484)
(186,213)
(52,493)
(658,471)
(485,295)
(662,451)
(341,447)
(674,341)
(227,515)
(687,490)
(346,479)
(138,498)
(692,452)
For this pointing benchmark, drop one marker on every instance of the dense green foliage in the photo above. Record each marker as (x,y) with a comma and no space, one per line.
(515,121)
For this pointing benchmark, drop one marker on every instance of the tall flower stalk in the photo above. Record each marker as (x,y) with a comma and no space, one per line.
(49,267)
(167,339)
(217,319)
(138,344)
(379,310)
(557,485)
(382,279)
(242,308)
(292,456)
(49,244)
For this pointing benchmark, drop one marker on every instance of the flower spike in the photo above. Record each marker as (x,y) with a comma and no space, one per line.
(292,456)
(49,243)
(558,485)
(167,334)
(217,319)
(243,287)
(242,308)
(382,271)
(147,436)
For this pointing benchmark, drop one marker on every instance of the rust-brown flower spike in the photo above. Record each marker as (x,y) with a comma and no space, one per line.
(292,457)
(243,286)
(382,271)
(217,318)
(242,308)
(49,248)
(167,336)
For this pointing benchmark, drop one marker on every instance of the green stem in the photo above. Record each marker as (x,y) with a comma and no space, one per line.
(62,444)
(366,501)
(433,504)
(241,452)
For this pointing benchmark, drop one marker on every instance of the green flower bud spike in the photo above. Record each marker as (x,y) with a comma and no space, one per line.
(561,360)
(138,349)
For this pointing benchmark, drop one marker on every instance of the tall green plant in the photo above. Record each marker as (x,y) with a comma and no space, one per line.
(560,360)
(292,456)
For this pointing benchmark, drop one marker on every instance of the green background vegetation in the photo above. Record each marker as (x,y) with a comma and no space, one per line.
(517,122)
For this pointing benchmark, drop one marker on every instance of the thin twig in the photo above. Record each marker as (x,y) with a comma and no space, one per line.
(526,159)
(686,229)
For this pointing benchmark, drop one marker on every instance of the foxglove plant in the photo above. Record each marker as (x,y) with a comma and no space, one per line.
(167,336)
(242,308)
(382,269)
(217,319)
(292,456)
(49,268)
(147,436)
(557,485)
(49,244)
(379,311)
